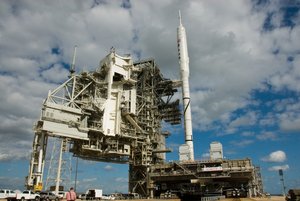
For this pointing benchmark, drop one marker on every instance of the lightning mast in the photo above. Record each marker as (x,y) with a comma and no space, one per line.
(72,68)
(186,150)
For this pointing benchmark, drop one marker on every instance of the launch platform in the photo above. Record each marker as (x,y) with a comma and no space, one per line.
(231,178)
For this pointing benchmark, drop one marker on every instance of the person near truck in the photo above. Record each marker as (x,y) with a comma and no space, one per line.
(71,195)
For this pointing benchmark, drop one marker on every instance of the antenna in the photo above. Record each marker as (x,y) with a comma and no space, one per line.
(179,14)
(72,68)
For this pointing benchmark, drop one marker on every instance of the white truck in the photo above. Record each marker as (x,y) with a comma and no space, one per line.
(27,195)
(94,194)
(7,194)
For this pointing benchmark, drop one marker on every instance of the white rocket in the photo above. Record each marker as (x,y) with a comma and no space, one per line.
(184,74)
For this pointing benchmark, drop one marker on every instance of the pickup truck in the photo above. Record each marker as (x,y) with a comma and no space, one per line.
(7,194)
(28,195)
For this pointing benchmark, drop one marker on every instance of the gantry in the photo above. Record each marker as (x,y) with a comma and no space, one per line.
(111,114)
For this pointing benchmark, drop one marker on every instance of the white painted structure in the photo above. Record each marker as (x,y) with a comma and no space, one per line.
(216,151)
(184,74)
(111,114)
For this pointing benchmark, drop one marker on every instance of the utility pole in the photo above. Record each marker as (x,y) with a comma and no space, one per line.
(75,185)
(282,181)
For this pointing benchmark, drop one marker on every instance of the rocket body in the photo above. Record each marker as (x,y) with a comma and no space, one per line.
(184,76)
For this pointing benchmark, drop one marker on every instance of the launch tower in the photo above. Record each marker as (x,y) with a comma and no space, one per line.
(112,114)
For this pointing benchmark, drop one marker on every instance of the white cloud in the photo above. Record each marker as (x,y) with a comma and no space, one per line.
(290,122)
(267,122)
(281,105)
(286,115)
(242,143)
(247,134)
(108,168)
(121,179)
(276,156)
(242,61)
(279,167)
(289,80)
(55,74)
(267,136)
(4,156)
(247,120)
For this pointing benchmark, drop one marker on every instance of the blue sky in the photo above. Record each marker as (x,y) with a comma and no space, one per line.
(244,65)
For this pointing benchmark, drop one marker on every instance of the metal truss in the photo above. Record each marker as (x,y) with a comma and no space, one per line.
(112,114)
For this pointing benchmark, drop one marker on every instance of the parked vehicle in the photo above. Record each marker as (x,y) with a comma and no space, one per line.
(61,194)
(28,195)
(82,196)
(94,194)
(47,195)
(107,197)
(7,194)
(137,196)
(117,196)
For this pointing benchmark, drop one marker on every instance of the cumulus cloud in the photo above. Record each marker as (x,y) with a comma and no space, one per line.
(108,168)
(57,73)
(279,167)
(247,120)
(267,121)
(276,156)
(267,136)
(290,122)
(287,114)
